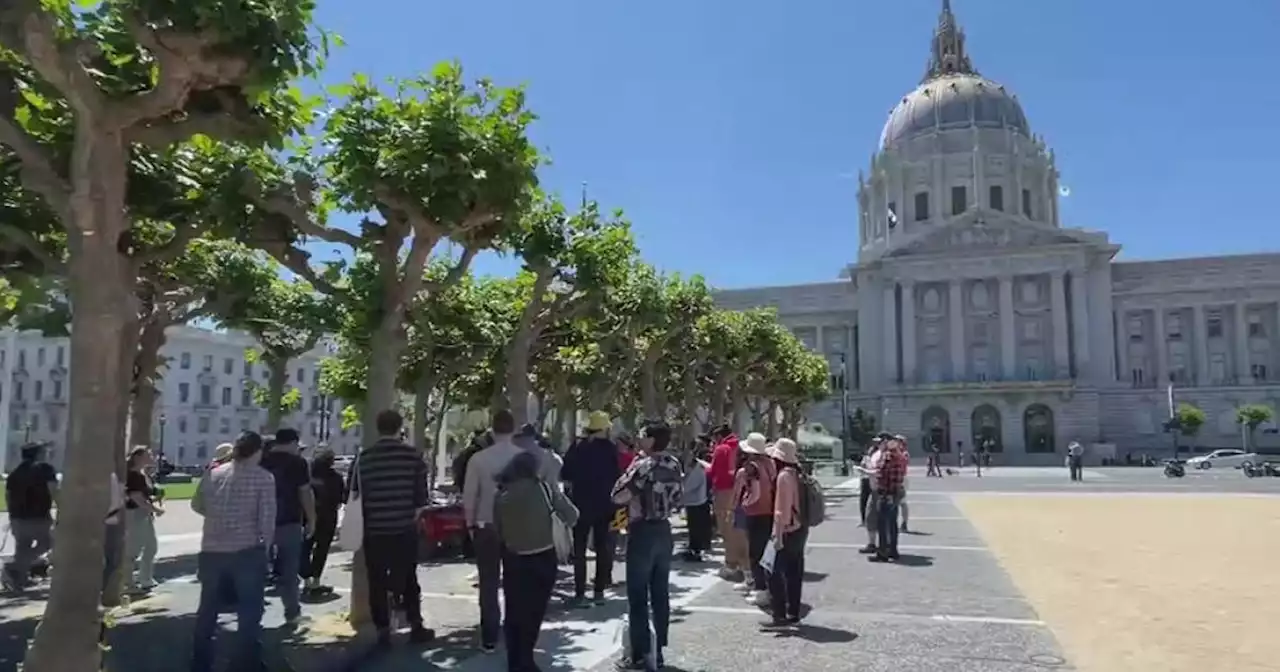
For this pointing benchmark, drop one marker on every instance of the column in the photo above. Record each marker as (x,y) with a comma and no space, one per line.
(909,331)
(818,344)
(1008,335)
(889,315)
(1161,339)
(1242,345)
(1058,315)
(955,294)
(1121,322)
(1080,322)
(1201,345)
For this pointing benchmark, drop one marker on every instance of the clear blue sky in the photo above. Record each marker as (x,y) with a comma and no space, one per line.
(732,132)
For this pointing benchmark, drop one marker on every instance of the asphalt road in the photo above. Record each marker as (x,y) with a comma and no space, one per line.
(948,606)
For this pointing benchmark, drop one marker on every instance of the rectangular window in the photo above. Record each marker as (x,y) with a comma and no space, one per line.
(1255,326)
(228,365)
(246,398)
(995,197)
(248,369)
(54,423)
(1173,327)
(62,356)
(226,396)
(17,391)
(302,375)
(40,357)
(224,425)
(922,206)
(1258,371)
(57,389)
(206,395)
(1135,330)
(202,425)
(22,360)
(185,360)
(35,422)
(184,392)
(1214,327)
(182,425)
(39,390)
(1218,368)
(959,200)
(1026,203)
(208,363)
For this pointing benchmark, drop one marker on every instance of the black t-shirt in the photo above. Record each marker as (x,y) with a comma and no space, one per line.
(27,489)
(330,492)
(291,473)
(136,481)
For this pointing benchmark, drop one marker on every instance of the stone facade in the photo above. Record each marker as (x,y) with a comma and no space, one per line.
(973,315)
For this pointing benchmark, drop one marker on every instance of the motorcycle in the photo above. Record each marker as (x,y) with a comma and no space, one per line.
(1175,468)
(1252,470)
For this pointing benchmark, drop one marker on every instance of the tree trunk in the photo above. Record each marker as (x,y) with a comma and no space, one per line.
(277,373)
(113,591)
(719,396)
(101,287)
(516,372)
(146,372)
(649,382)
(435,441)
(771,422)
(422,411)
(691,400)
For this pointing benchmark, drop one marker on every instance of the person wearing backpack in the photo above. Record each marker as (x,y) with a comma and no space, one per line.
(526,509)
(754,483)
(792,509)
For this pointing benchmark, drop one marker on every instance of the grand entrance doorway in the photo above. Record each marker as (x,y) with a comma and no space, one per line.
(935,427)
(987,433)
(1037,425)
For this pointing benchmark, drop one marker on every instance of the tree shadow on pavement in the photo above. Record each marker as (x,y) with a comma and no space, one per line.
(814,577)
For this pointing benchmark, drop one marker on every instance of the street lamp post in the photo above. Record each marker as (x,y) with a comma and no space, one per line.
(324,418)
(163,420)
(26,429)
(844,398)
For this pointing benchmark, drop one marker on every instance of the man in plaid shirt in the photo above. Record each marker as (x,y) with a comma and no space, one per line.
(889,473)
(238,503)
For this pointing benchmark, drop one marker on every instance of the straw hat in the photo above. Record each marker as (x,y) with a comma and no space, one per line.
(223,452)
(784,450)
(755,444)
(599,421)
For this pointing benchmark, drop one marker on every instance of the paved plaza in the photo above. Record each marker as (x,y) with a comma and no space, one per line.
(949,605)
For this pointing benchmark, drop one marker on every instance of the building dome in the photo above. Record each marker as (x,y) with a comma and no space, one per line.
(953,100)
(952,94)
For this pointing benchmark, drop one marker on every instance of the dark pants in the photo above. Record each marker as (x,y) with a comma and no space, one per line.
(1077,468)
(788,575)
(648,584)
(32,538)
(597,528)
(527,587)
(887,524)
(864,493)
(699,518)
(488,548)
(759,529)
(315,551)
(392,561)
(288,563)
(243,571)
(112,546)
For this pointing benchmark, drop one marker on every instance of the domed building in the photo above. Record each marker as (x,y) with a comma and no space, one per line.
(973,316)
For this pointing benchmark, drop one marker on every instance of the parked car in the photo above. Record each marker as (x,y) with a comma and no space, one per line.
(1224,458)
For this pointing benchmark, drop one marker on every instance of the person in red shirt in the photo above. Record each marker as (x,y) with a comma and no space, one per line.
(626,453)
(889,473)
(724,464)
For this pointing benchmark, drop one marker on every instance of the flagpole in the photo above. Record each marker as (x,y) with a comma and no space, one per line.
(584,195)
(10,348)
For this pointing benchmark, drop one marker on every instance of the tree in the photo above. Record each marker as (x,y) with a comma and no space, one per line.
(435,159)
(571,262)
(288,319)
(83,90)
(1249,417)
(1186,421)
(862,428)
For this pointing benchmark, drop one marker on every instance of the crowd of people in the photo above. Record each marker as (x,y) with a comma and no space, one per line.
(270,517)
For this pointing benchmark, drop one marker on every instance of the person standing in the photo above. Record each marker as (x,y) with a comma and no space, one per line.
(589,472)
(697,507)
(30,491)
(238,503)
(889,471)
(478,499)
(295,516)
(1075,460)
(525,510)
(142,507)
(867,504)
(651,489)
(724,464)
(864,480)
(329,492)
(391,479)
(788,536)
(754,483)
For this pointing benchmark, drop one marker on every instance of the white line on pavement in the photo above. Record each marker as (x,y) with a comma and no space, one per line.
(901,547)
(879,616)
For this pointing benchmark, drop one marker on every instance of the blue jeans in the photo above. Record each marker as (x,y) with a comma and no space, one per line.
(288,564)
(649,549)
(887,524)
(243,570)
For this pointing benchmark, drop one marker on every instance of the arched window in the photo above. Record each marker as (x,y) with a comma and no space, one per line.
(1037,425)
(935,427)
(987,432)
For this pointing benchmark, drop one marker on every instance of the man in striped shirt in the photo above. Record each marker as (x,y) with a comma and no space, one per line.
(391,479)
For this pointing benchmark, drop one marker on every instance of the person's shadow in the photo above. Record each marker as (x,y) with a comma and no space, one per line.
(818,634)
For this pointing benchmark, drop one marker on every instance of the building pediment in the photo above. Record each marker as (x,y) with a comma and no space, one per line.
(980,233)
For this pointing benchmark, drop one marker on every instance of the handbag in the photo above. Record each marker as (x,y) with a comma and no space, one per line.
(561,538)
(351,526)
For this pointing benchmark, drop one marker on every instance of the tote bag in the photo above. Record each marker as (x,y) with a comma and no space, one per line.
(351,527)
(560,535)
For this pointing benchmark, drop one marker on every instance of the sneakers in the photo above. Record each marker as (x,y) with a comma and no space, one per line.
(598,599)
(759,598)
(420,634)
(868,549)
(731,575)
(744,587)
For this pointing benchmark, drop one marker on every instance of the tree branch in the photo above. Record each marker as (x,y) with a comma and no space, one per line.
(32,31)
(455,274)
(295,207)
(175,246)
(160,134)
(28,242)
